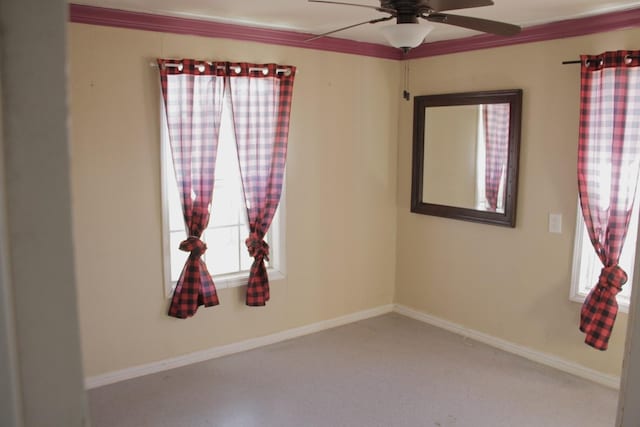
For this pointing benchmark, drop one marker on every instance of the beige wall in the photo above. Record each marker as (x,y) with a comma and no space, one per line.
(341,189)
(509,283)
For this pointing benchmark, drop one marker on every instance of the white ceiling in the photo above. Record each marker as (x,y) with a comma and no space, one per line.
(316,18)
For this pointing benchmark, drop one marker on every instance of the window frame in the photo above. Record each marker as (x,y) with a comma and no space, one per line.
(276,268)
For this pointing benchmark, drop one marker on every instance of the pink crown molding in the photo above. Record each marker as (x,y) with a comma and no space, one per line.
(171,24)
(554,30)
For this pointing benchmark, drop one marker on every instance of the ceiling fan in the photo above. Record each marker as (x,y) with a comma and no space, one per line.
(408,33)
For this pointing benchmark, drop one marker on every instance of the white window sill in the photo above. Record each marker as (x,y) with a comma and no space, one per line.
(234,280)
(623,303)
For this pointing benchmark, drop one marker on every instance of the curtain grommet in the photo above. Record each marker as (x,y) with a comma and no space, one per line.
(596,64)
(628,59)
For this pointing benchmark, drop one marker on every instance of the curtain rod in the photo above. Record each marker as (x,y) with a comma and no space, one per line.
(577,61)
(263,70)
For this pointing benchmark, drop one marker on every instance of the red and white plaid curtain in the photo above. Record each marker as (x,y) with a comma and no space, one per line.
(608,166)
(193,92)
(496,129)
(261,104)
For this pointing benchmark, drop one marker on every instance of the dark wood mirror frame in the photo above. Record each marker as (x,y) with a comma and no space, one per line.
(514,98)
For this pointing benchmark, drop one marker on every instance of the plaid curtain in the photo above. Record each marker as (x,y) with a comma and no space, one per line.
(496,129)
(608,165)
(261,104)
(193,92)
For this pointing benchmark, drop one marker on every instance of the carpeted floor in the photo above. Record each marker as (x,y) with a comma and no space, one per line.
(385,371)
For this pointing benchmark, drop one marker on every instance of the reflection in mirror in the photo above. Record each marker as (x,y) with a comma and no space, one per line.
(466,155)
(476,136)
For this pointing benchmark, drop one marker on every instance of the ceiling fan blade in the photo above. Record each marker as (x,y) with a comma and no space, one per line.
(478,24)
(379,9)
(442,5)
(373,21)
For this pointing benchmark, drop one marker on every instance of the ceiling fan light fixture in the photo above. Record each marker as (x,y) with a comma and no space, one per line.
(407,35)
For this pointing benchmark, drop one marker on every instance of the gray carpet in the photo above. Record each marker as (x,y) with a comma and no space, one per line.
(385,371)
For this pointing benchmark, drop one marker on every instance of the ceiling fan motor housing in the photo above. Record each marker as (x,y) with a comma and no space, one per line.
(408,11)
(411,11)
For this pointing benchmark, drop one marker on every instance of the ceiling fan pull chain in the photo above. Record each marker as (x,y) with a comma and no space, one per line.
(405,93)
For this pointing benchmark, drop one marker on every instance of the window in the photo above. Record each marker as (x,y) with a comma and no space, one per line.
(587,265)
(227,258)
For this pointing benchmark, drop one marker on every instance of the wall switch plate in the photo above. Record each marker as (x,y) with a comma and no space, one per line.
(555,223)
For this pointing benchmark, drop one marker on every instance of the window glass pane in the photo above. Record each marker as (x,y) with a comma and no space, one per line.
(222,254)
(176,220)
(226,204)
(590,265)
(227,191)
(178,257)
(245,259)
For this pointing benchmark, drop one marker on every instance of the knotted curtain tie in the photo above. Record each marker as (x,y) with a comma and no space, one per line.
(612,278)
(194,245)
(257,247)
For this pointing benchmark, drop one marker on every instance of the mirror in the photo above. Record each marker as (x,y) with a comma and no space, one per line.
(465,155)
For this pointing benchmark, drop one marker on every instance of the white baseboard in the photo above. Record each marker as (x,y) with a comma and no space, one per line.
(250,344)
(225,350)
(534,355)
